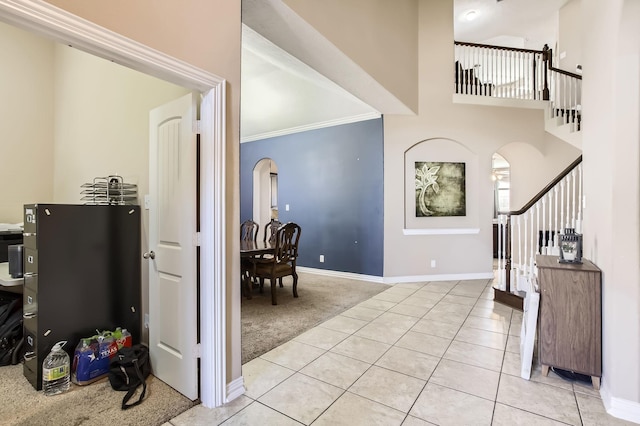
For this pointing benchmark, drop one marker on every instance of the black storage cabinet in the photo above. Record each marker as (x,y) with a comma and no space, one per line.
(82,273)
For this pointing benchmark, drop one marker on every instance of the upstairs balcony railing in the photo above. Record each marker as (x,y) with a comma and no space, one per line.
(510,73)
(499,72)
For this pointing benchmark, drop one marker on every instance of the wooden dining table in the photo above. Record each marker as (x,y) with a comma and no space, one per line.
(256,248)
(249,249)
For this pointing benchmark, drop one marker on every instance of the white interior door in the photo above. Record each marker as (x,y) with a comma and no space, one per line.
(172,245)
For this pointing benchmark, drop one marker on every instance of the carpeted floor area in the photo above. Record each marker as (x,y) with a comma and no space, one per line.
(95,404)
(265,326)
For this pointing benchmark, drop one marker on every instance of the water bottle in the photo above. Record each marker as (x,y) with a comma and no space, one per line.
(55,370)
(126,338)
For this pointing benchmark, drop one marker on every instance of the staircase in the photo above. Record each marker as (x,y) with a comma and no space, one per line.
(536,229)
(522,78)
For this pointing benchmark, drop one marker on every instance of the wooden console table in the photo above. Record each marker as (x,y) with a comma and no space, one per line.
(570,333)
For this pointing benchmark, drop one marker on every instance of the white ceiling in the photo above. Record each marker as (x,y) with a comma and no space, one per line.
(282,95)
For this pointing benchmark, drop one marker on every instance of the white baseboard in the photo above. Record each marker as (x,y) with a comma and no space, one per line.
(235,389)
(440,277)
(339,274)
(620,408)
(399,279)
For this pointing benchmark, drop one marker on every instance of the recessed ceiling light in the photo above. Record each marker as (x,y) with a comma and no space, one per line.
(471,15)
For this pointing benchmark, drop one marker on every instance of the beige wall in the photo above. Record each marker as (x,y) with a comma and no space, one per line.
(102,122)
(204,33)
(483,130)
(26,120)
(611,141)
(532,167)
(570,36)
(379,35)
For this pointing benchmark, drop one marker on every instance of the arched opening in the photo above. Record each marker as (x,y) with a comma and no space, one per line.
(500,175)
(265,191)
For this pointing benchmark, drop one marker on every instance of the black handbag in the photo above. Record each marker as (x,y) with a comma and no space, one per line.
(128,369)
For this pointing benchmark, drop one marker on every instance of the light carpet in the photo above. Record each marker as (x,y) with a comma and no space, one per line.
(95,404)
(265,326)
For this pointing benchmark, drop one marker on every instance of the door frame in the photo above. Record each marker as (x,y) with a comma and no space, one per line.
(54,23)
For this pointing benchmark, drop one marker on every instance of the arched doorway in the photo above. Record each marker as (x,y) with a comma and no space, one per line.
(265,191)
(500,175)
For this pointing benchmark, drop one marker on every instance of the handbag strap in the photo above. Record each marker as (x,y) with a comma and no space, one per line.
(130,393)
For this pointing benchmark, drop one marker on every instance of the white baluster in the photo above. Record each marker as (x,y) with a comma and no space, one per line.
(579,223)
(551,233)
(499,236)
(536,239)
(499,65)
(543,249)
(503,254)
(562,226)
(533,251)
(511,272)
(517,219)
(568,202)
(526,247)
(556,238)
(573,204)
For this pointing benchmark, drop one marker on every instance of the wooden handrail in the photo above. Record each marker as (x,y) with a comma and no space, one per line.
(489,46)
(549,56)
(545,190)
(567,73)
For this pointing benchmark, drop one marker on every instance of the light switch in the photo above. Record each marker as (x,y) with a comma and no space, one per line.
(286,207)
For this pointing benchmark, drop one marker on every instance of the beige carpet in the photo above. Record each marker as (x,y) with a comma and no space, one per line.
(265,326)
(95,404)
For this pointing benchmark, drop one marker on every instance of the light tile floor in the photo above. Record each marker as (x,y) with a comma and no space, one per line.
(416,354)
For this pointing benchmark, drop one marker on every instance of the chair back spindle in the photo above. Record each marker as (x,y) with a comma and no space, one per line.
(270,231)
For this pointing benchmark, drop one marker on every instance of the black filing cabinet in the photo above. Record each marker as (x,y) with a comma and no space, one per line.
(81,274)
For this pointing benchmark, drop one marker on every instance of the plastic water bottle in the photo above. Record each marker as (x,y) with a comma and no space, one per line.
(55,370)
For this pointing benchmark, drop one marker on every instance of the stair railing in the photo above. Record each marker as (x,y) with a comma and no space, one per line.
(504,72)
(536,229)
(566,93)
(500,72)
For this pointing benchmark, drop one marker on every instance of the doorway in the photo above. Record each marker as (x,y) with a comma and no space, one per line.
(265,192)
(49,21)
(500,175)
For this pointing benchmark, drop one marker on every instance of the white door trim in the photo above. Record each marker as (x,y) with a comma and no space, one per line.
(54,23)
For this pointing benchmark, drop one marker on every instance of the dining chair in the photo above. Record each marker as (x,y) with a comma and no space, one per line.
(270,230)
(283,262)
(248,232)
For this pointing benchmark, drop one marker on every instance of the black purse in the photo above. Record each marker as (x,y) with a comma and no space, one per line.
(128,369)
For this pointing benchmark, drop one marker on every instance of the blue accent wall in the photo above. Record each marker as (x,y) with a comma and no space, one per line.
(332,179)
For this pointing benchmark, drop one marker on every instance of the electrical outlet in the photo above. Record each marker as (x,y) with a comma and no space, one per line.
(433,263)
(322,258)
